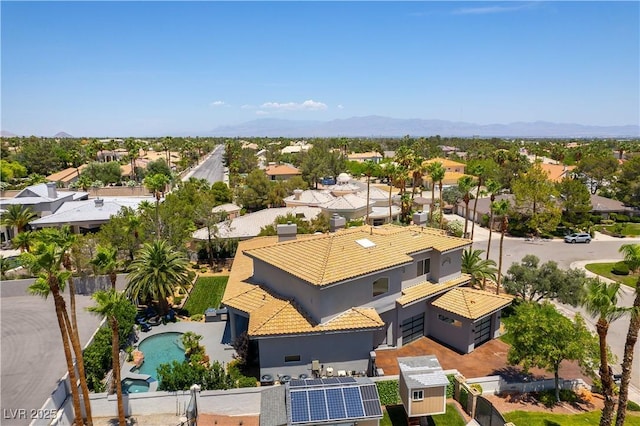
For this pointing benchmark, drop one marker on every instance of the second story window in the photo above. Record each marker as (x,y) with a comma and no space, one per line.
(380,286)
(424,266)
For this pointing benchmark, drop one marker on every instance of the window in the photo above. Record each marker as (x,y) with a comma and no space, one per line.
(380,286)
(424,266)
(292,358)
(417,395)
(448,320)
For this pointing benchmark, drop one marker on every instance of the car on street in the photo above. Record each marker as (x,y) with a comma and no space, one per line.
(580,237)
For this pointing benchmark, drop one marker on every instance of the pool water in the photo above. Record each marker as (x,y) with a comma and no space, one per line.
(135,386)
(160,349)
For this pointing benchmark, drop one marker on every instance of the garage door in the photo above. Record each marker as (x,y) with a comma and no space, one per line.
(483,331)
(412,328)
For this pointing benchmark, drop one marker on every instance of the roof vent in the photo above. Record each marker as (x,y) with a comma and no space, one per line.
(297,193)
(420,218)
(287,232)
(99,202)
(337,222)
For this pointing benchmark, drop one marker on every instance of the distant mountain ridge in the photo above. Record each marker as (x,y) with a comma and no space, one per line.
(62,135)
(373,125)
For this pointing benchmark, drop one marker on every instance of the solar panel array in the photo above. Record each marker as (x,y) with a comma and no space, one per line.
(331,400)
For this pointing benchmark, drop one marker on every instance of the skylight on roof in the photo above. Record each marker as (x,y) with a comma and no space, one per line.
(366,243)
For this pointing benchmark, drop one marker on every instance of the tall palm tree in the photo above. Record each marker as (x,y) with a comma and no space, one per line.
(45,261)
(600,301)
(108,304)
(64,239)
(23,241)
(479,269)
(632,257)
(465,183)
(390,171)
(404,158)
(18,217)
(492,188)
(478,170)
(370,169)
(106,262)
(436,173)
(418,169)
(157,184)
(501,209)
(156,272)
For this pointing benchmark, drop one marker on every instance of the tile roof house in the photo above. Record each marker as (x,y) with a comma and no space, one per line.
(66,176)
(44,198)
(281,171)
(318,303)
(361,157)
(453,171)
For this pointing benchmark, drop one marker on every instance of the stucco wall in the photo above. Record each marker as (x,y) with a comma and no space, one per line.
(449,265)
(342,351)
(460,338)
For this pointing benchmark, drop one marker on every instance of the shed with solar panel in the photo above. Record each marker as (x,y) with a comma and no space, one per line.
(423,386)
(338,400)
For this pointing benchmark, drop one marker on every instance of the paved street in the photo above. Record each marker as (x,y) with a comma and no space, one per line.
(602,248)
(211,168)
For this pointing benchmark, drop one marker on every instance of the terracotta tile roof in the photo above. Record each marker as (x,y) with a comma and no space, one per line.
(271,314)
(556,172)
(472,304)
(445,162)
(339,256)
(66,174)
(426,289)
(282,169)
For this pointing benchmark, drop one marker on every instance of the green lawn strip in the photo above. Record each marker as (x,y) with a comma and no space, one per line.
(629,229)
(206,293)
(535,418)
(604,269)
(394,415)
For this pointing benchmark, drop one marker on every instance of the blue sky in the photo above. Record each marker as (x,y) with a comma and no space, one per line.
(154,68)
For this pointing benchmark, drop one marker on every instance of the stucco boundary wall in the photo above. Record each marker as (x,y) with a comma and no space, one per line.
(85,285)
(497,385)
(105,191)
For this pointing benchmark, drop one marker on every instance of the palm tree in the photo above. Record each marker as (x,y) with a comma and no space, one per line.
(156,272)
(479,269)
(45,261)
(492,188)
(108,304)
(631,255)
(18,217)
(23,241)
(404,158)
(479,171)
(600,301)
(390,171)
(157,184)
(436,173)
(465,183)
(501,209)
(418,169)
(370,169)
(65,240)
(106,262)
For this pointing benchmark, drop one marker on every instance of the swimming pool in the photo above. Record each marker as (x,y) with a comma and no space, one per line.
(159,349)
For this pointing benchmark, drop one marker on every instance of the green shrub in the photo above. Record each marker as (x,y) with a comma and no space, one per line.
(197,317)
(620,268)
(247,382)
(622,218)
(389,392)
(195,266)
(464,397)
(203,270)
(568,395)
(632,406)
(450,386)
(177,300)
(547,398)
(476,387)
(607,222)
(635,219)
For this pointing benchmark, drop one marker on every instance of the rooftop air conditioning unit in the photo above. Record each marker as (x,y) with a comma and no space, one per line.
(329,371)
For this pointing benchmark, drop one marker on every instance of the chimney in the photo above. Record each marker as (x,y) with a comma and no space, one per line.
(99,202)
(52,191)
(420,218)
(297,193)
(337,222)
(287,232)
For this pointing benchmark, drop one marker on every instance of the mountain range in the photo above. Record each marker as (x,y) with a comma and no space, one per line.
(378,126)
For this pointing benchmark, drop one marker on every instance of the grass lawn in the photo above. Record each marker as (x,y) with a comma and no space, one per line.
(394,416)
(629,229)
(206,293)
(604,269)
(531,418)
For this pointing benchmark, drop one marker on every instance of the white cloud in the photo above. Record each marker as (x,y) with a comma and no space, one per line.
(340,106)
(260,112)
(217,103)
(491,9)
(308,105)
